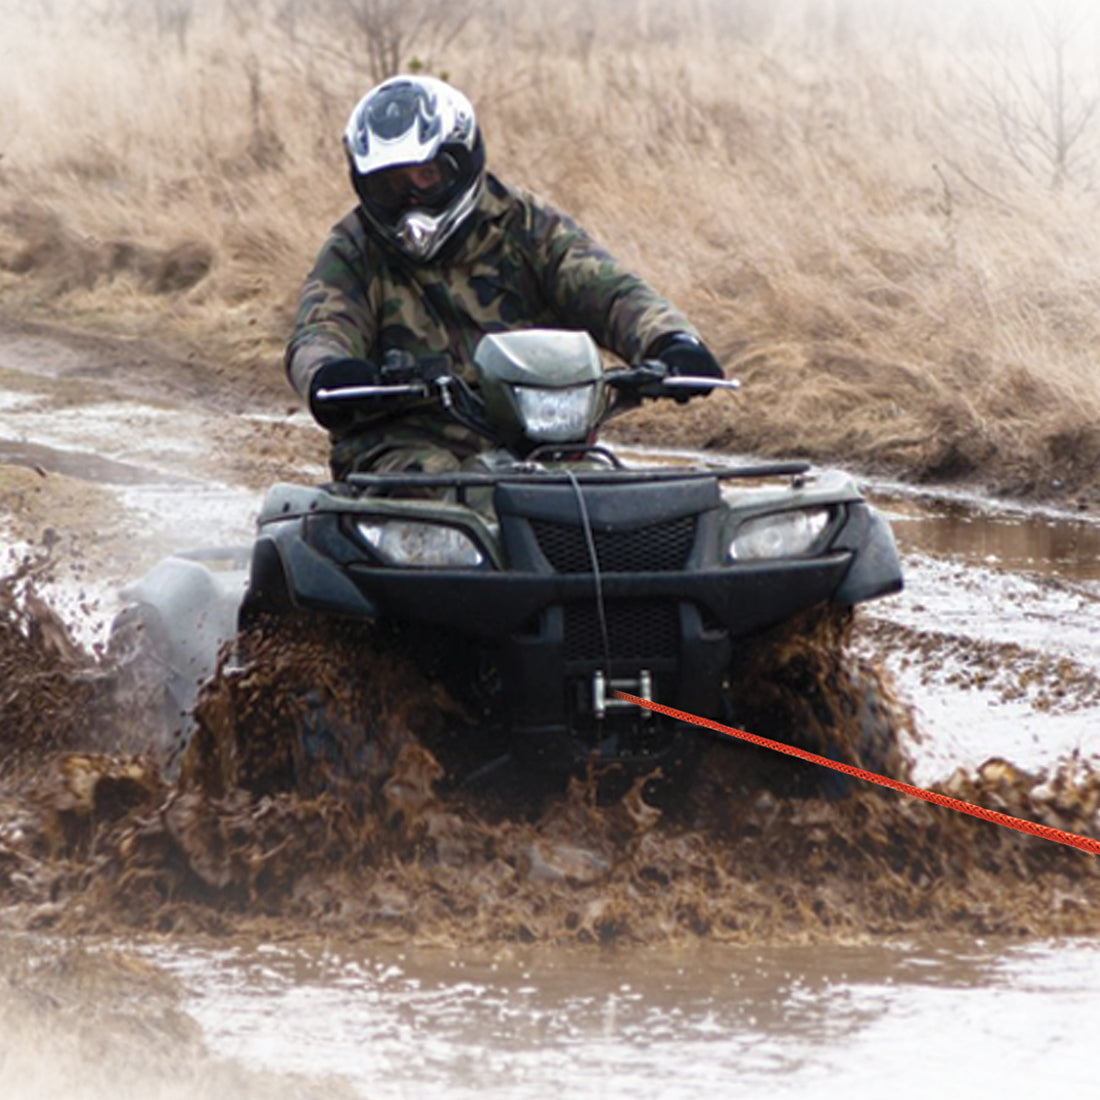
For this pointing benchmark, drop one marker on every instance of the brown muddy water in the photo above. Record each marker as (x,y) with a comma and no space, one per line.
(1046,541)
(902,1018)
(160,944)
(947,1015)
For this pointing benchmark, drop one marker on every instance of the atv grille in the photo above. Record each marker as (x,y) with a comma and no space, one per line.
(659,548)
(635,631)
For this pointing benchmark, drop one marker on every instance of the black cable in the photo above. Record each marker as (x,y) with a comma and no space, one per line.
(590,540)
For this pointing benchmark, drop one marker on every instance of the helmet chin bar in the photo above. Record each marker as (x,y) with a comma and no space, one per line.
(419,236)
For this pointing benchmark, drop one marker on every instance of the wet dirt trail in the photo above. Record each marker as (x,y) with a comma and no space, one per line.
(803,947)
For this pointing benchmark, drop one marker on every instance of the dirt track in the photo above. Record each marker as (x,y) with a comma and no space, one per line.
(122,448)
(114,453)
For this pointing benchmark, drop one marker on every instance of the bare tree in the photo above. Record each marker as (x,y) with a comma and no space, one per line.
(168,18)
(174,17)
(392,30)
(1041,95)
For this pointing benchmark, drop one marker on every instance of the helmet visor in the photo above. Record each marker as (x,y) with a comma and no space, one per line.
(431,186)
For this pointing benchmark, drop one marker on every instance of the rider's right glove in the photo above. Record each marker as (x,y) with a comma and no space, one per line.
(683,353)
(333,375)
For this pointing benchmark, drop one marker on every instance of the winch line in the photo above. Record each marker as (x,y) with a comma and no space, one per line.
(1059,836)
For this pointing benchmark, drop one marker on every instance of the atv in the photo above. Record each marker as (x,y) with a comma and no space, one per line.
(547,573)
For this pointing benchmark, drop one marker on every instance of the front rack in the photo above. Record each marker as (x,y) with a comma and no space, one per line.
(529,471)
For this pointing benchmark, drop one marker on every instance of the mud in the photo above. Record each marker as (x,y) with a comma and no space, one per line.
(85,367)
(246,827)
(253,831)
(48,681)
(612,932)
(1050,683)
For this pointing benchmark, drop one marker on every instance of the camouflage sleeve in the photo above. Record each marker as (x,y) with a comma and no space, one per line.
(337,317)
(590,289)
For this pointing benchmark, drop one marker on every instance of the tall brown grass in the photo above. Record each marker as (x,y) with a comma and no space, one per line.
(821,185)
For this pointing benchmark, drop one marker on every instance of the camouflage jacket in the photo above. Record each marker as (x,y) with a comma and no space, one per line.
(521,265)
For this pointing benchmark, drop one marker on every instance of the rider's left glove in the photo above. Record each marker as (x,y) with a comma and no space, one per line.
(333,375)
(683,353)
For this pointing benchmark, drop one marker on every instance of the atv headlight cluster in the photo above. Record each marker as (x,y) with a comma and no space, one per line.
(561,415)
(778,535)
(406,542)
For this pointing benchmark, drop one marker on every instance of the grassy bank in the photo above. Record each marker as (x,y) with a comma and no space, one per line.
(854,200)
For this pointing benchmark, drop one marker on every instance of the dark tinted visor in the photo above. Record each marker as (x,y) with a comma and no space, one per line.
(431,185)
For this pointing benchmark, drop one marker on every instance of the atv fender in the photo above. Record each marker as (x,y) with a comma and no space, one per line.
(308,578)
(876,569)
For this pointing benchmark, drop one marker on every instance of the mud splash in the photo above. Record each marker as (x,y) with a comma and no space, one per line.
(255,830)
(47,682)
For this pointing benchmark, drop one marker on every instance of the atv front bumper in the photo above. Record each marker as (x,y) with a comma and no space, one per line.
(551,628)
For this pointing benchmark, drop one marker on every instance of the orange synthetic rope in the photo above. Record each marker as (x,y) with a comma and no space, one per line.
(1060,836)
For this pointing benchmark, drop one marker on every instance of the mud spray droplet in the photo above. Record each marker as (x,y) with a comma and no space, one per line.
(314,792)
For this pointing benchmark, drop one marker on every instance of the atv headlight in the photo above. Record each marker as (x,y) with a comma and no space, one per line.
(779,535)
(556,416)
(403,542)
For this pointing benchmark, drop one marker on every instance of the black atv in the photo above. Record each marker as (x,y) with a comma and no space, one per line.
(547,574)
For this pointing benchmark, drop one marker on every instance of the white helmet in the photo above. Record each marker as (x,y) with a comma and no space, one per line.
(411,121)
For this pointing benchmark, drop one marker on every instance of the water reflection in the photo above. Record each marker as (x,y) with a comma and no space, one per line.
(1026,542)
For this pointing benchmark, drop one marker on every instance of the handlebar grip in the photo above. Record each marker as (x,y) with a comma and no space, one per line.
(646,373)
(358,393)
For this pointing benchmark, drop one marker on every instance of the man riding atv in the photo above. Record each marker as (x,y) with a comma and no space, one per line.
(481,551)
(479,540)
(437,254)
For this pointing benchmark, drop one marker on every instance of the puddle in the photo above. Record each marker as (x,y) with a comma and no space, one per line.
(1052,545)
(45,356)
(82,465)
(782,1022)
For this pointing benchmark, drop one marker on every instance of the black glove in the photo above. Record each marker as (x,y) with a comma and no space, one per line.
(333,375)
(683,353)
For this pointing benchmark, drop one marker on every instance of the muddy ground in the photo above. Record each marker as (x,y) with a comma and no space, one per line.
(112,452)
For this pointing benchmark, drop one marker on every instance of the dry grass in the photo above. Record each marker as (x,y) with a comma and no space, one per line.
(817,184)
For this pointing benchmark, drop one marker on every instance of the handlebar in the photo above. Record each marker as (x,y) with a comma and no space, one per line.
(356,393)
(700,382)
(432,376)
(650,379)
(404,376)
